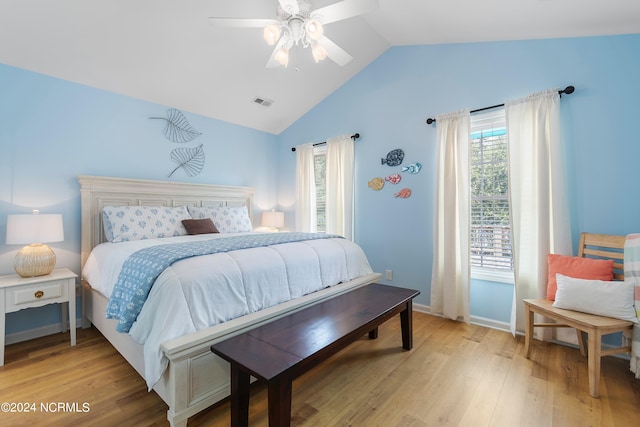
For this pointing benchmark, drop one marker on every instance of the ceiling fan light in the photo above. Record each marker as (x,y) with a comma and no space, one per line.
(271,34)
(314,29)
(319,52)
(282,56)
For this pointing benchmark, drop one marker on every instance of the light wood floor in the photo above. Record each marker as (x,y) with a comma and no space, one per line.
(456,375)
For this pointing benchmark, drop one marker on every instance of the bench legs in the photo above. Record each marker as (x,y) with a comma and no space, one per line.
(279,388)
(239,397)
(593,357)
(528,336)
(583,348)
(406,324)
(373,334)
(593,353)
(279,396)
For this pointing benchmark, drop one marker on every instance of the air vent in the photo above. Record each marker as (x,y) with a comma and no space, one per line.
(262,101)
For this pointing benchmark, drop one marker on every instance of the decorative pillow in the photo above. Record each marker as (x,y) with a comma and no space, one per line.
(227,219)
(611,299)
(124,223)
(577,267)
(199,226)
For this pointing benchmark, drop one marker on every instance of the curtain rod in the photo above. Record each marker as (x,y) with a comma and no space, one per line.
(568,90)
(354,137)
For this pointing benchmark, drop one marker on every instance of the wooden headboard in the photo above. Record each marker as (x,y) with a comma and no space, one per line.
(97,192)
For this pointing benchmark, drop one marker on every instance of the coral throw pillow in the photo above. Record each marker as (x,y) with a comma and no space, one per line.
(578,268)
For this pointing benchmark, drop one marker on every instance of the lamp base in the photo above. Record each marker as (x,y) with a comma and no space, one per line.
(34,260)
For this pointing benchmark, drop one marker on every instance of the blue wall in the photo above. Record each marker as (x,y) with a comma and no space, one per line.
(388,102)
(52,130)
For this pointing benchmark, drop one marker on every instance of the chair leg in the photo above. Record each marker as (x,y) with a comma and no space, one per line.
(583,347)
(528,336)
(594,342)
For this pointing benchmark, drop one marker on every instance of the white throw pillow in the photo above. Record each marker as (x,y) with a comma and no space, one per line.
(611,299)
(125,223)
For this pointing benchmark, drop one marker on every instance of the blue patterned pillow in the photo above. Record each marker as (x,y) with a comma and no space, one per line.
(227,219)
(125,223)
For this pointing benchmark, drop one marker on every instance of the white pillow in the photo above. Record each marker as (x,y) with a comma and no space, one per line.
(227,219)
(125,223)
(611,299)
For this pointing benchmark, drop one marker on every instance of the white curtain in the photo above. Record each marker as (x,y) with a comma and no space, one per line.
(451,270)
(537,191)
(305,189)
(340,168)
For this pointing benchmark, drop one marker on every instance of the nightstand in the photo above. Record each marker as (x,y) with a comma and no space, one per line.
(17,293)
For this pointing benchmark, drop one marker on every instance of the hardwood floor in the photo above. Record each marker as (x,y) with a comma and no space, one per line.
(456,375)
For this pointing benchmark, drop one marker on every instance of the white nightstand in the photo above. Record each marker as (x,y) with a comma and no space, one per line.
(17,293)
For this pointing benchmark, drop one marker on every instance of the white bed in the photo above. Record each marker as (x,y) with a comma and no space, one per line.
(195,378)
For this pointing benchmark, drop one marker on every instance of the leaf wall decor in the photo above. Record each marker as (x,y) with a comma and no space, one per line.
(190,159)
(178,128)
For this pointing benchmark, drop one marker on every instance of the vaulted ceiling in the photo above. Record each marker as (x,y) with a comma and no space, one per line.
(167,52)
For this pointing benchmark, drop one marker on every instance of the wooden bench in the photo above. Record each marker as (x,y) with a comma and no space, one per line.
(284,349)
(594,245)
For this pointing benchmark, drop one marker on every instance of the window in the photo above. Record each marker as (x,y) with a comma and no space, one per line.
(320,168)
(491,249)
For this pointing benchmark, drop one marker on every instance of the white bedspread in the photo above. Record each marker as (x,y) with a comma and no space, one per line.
(200,292)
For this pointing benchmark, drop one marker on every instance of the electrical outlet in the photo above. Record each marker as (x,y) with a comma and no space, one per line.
(389,274)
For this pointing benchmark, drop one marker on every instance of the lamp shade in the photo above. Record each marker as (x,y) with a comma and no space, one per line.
(314,29)
(34,228)
(273,219)
(319,52)
(35,259)
(282,56)
(271,34)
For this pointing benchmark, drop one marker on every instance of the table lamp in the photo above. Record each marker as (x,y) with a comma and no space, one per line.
(273,220)
(35,259)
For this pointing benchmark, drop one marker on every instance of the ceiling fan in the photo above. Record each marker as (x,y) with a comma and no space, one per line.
(298,25)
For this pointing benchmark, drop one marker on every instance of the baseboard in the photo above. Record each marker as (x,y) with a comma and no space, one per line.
(421,308)
(475,320)
(490,323)
(30,334)
(506,327)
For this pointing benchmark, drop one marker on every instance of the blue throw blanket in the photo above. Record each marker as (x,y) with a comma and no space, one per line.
(142,268)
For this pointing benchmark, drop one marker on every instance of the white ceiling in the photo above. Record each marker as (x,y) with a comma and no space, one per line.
(167,52)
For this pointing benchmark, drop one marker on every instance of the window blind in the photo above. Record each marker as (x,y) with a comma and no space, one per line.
(490,218)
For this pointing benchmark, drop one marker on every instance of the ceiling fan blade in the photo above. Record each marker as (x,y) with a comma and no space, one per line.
(335,52)
(272,62)
(241,22)
(344,10)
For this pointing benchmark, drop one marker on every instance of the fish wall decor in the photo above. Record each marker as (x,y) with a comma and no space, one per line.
(376,184)
(403,194)
(394,178)
(412,168)
(394,158)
